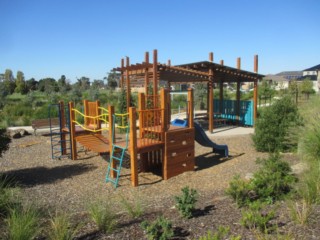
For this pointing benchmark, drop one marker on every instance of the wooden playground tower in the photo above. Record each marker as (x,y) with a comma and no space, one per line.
(213,74)
(152,140)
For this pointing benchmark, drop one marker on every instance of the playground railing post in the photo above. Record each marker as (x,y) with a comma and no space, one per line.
(133,147)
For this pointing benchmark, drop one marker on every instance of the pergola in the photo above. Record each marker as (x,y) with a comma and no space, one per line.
(208,72)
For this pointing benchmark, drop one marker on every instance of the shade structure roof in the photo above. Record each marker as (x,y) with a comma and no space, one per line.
(193,72)
(223,73)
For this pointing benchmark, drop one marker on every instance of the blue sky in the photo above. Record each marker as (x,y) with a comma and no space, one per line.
(78,38)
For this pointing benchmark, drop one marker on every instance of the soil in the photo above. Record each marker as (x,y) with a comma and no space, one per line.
(70,186)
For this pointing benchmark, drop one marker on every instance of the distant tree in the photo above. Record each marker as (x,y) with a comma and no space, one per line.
(97,84)
(20,83)
(112,79)
(75,94)
(63,84)
(307,87)
(32,85)
(83,83)
(9,82)
(200,91)
(265,89)
(48,85)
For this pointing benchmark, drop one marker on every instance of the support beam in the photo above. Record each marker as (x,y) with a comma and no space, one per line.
(255,91)
(72,132)
(211,97)
(128,84)
(122,77)
(133,148)
(62,123)
(146,74)
(112,139)
(155,76)
(190,108)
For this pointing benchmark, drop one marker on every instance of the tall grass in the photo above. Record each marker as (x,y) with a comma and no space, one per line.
(309,150)
(23,224)
(61,228)
(103,216)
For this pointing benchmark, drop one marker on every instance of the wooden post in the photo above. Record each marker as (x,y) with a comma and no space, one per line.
(133,147)
(221,92)
(169,62)
(97,120)
(141,106)
(86,112)
(238,97)
(190,108)
(211,97)
(146,74)
(122,77)
(128,83)
(155,77)
(112,139)
(62,126)
(255,90)
(164,113)
(72,132)
(169,105)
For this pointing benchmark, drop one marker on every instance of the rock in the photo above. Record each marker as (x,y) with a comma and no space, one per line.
(15,134)
(18,133)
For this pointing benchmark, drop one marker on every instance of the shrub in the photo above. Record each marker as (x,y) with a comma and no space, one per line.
(256,218)
(4,141)
(222,233)
(271,182)
(300,211)
(61,228)
(160,229)
(186,202)
(103,216)
(240,190)
(274,178)
(7,195)
(273,124)
(23,224)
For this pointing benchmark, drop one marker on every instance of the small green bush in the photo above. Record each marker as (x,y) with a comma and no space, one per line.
(274,178)
(4,141)
(273,125)
(103,216)
(271,182)
(222,233)
(239,190)
(186,202)
(254,217)
(23,224)
(160,229)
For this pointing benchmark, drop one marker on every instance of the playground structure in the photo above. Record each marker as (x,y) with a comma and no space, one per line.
(214,75)
(150,138)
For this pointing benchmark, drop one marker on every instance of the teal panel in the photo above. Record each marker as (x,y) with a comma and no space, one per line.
(228,110)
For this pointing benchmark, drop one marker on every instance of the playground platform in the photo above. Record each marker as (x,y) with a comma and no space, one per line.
(221,131)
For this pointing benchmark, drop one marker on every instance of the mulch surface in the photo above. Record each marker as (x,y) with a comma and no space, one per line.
(69,186)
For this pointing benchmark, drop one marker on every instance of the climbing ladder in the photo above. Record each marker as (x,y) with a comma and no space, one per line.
(118,149)
(60,140)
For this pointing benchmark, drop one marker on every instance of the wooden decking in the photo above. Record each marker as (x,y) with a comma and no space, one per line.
(94,142)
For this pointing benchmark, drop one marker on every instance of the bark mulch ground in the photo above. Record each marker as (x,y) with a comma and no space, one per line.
(69,186)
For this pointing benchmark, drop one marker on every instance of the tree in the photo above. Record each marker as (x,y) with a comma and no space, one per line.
(265,89)
(200,92)
(113,79)
(307,87)
(63,84)
(83,83)
(9,83)
(48,85)
(32,84)
(20,83)
(97,84)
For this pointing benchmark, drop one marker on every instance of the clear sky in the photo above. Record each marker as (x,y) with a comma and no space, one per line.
(50,38)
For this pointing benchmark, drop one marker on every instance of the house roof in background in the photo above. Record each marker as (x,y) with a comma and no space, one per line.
(275,78)
(314,68)
(291,73)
